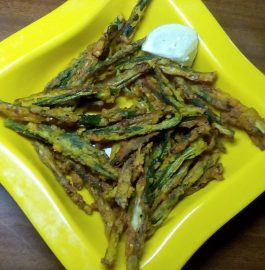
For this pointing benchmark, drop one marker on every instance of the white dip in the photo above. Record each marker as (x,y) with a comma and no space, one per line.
(174,41)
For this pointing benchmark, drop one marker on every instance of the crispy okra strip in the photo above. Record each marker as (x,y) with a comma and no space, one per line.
(59,96)
(20,113)
(146,92)
(213,118)
(115,148)
(114,238)
(172,96)
(166,91)
(172,183)
(96,190)
(130,172)
(124,186)
(156,94)
(163,210)
(171,164)
(159,152)
(130,61)
(119,132)
(69,168)
(71,76)
(137,227)
(129,146)
(62,116)
(213,173)
(183,139)
(99,66)
(134,20)
(105,92)
(111,33)
(117,114)
(234,113)
(48,159)
(122,80)
(69,144)
(172,68)
(108,116)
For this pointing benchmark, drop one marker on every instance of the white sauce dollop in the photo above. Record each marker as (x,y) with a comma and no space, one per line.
(174,41)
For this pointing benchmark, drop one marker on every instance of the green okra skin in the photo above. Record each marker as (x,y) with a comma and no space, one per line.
(59,96)
(209,97)
(172,163)
(172,68)
(22,129)
(162,211)
(131,61)
(172,183)
(191,95)
(69,144)
(66,116)
(134,20)
(260,125)
(119,132)
(63,78)
(48,159)
(214,119)
(166,91)
(129,124)
(61,116)
(93,120)
(159,152)
(117,114)
(224,102)
(150,95)
(72,75)
(129,76)
(233,112)
(111,33)
(129,49)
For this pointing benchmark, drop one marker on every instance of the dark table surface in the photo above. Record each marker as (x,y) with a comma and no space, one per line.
(240,244)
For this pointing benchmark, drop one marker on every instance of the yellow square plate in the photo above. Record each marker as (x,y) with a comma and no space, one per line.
(31,57)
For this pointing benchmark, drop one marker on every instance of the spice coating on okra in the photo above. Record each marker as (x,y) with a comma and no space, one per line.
(165,128)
